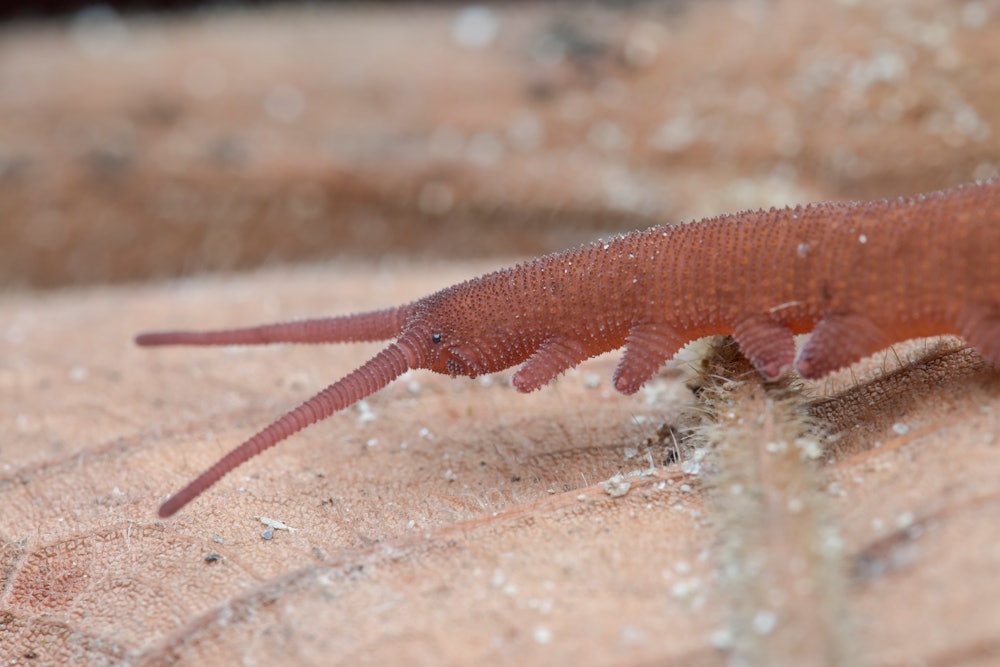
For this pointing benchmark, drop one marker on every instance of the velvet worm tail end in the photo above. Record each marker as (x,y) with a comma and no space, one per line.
(370,326)
(375,374)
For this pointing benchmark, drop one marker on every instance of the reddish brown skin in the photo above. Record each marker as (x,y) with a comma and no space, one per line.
(859,276)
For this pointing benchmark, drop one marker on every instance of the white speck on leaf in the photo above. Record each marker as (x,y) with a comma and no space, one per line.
(475,27)
(542,635)
(764,622)
(275,524)
(617,486)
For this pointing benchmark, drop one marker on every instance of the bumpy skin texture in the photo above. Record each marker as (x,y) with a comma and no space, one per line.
(859,276)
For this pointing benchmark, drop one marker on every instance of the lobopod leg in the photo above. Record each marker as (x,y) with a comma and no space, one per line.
(980,326)
(554,357)
(838,341)
(648,347)
(769,345)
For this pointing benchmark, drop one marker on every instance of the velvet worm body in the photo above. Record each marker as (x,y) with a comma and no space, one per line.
(859,276)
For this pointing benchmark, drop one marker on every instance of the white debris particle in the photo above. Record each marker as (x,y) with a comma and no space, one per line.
(642,44)
(98,31)
(411,524)
(617,486)
(689,467)
(904,520)
(78,374)
(371,442)
(975,15)
(475,27)
(721,639)
(984,171)
(544,605)
(685,588)
(542,634)
(591,380)
(632,636)
(682,567)
(863,239)
(809,447)
(830,543)
(450,475)
(365,414)
(764,622)
(676,134)
(802,250)
(608,136)
(425,432)
(631,453)
(498,578)
(899,428)
(622,191)
(275,524)
(883,67)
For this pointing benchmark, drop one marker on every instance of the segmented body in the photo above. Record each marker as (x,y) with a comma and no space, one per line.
(859,276)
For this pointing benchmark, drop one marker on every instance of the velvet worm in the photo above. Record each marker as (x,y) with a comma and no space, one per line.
(859,276)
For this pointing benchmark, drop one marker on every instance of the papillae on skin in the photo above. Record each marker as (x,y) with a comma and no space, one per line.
(858,276)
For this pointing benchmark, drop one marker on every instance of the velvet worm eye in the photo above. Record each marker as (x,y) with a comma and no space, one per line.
(436,338)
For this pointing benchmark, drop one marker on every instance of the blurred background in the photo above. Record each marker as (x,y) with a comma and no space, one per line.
(149,140)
